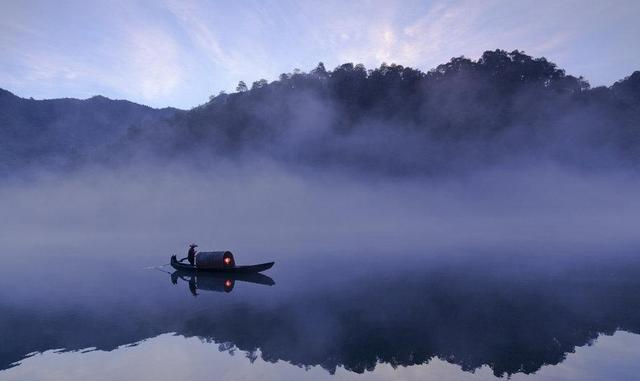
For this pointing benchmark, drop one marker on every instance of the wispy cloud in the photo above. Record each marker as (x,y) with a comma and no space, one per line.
(190,14)
(153,63)
(226,50)
(133,56)
(463,27)
(444,30)
(177,52)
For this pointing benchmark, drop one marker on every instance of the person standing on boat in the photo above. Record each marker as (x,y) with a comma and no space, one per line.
(191,254)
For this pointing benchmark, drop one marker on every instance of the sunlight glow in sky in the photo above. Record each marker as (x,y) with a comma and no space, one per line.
(178,52)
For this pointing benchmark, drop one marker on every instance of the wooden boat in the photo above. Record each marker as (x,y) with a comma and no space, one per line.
(222,269)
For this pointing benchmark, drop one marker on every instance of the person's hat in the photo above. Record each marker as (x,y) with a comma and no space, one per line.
(193,245)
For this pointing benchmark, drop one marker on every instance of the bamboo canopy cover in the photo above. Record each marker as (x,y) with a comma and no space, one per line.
(214,260)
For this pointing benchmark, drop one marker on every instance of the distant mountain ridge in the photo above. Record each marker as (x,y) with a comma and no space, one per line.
(61,132)
(506,107)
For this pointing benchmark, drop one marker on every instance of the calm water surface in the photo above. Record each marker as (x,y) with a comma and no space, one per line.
(535,276)
(322,315)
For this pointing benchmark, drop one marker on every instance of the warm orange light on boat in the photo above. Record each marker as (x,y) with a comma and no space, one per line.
(227,260)
(227,283)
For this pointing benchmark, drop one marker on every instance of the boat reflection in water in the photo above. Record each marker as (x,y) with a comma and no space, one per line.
(216,282)
(512,314)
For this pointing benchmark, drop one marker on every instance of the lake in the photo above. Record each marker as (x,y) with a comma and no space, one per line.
(415,286)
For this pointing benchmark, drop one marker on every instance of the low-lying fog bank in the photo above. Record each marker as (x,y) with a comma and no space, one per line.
(264,207)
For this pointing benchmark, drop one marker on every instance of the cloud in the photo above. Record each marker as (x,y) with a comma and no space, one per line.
(112,50)
(178,52)
(453,28)
(235,50)
(190,16)
(434,35)
(153,64)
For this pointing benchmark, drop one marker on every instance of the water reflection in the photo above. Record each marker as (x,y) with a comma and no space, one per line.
(156,359)
(514,316)
(216,282)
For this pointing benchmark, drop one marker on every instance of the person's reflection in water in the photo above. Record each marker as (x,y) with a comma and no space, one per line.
(193,287)
(192,281)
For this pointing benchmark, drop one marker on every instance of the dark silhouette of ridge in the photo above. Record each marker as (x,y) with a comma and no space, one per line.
(506,107)
(62,133)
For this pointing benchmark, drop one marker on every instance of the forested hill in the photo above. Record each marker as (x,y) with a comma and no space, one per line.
(503,108)
(65,132)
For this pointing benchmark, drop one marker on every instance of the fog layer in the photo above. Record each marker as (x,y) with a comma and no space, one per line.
(268,208)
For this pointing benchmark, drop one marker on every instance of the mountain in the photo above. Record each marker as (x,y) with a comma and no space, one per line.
(503,109)
(63,132)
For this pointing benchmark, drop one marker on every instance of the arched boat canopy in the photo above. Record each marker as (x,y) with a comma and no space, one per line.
(214,260)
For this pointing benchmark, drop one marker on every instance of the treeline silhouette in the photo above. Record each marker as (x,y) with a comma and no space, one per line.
(461,114)
(505,107)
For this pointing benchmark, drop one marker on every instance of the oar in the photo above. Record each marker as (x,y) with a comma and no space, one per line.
(162,271)
(156,267)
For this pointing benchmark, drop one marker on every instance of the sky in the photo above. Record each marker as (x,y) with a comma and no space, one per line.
(179,52)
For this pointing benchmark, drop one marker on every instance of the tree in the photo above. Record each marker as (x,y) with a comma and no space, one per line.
(259,84)
(242,87)
(320,71)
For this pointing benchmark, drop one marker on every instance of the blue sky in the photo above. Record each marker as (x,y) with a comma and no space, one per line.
(178,52)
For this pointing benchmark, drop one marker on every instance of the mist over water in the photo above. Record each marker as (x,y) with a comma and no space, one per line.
(269,207)
(502,271)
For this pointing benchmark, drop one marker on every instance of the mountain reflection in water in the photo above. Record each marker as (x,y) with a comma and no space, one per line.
(513,315)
